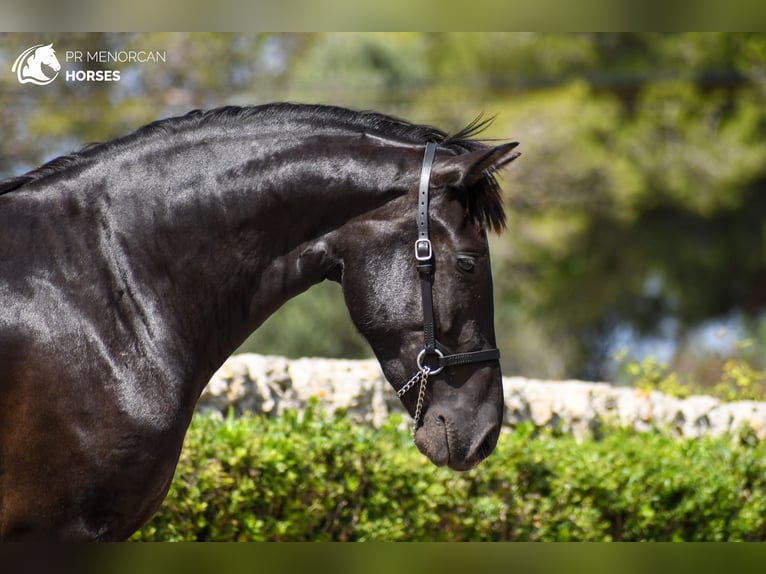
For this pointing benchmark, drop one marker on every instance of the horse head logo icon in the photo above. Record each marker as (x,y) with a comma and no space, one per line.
(28,66)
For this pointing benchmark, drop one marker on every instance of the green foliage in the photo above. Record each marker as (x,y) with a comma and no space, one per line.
(313,477)
(739,380)
(649,374)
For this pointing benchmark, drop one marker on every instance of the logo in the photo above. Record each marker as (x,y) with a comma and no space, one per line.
(29,65)
(39,65)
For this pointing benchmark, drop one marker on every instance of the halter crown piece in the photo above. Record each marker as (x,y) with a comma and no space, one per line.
(435,359)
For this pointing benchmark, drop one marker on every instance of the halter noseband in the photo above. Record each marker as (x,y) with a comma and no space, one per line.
(424,256)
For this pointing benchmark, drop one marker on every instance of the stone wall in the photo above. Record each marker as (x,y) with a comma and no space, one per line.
(264,384)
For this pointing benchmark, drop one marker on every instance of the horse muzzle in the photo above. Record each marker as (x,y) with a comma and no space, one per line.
(458,432)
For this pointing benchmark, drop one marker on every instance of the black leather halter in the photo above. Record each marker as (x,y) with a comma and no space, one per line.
(433,353)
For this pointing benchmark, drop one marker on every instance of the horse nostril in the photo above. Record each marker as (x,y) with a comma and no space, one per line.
(486,444)
(485,448)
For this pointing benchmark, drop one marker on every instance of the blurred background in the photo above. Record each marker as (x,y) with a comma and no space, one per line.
(637,214)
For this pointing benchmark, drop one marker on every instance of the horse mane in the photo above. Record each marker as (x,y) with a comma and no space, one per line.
(483,202)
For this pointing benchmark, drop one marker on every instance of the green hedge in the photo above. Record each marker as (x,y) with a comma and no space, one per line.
(314,477)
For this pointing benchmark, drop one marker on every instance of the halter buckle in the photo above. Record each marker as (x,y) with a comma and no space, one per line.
(423,250)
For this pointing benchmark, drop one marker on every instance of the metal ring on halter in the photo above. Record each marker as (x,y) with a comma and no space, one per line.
(422,369)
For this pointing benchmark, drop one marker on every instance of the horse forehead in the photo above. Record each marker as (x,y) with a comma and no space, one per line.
(451,223)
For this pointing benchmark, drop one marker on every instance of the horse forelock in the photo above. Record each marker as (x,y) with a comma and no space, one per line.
(484,199)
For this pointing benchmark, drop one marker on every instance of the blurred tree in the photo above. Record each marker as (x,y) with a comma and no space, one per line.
(638,204)
(641,204)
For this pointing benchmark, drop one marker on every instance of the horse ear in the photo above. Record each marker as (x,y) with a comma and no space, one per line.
(468,168)
(49,45)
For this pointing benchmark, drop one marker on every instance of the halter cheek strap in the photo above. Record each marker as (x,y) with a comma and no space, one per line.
(431,360)
(424,257)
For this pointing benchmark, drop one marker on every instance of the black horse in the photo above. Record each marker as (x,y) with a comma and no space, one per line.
(130,270)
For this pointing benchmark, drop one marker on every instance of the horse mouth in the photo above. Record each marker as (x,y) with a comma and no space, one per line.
(441,444)
(438,442)
(432,440)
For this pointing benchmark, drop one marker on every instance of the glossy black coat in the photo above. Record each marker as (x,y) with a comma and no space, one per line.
(129,271)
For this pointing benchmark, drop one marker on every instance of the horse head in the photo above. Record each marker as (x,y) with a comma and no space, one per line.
(47,55)
(426,308)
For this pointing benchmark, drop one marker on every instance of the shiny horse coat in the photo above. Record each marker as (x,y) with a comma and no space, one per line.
(130,270)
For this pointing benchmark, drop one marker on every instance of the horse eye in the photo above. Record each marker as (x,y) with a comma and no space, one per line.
(466,264)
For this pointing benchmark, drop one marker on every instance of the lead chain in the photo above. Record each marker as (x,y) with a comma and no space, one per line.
(421,376)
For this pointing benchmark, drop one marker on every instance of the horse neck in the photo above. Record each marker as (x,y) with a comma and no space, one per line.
(220,237)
